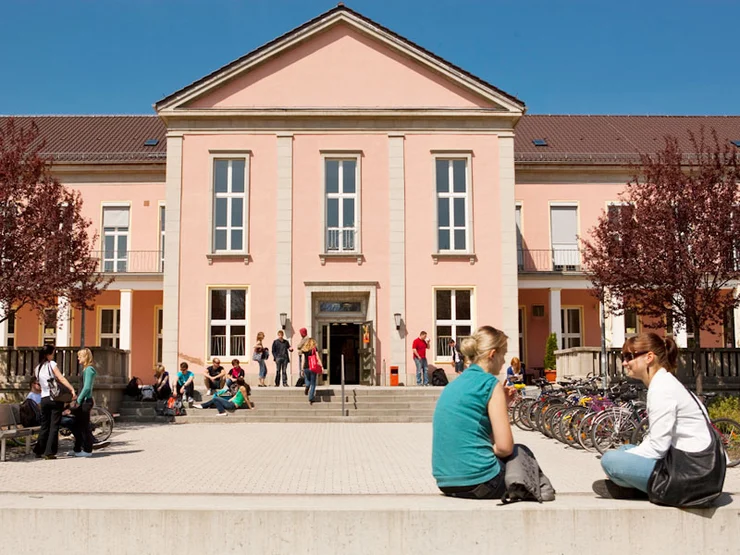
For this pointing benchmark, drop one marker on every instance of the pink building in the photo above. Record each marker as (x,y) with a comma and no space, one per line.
(343,179)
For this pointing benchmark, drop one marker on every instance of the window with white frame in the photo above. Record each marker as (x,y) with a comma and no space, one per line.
(453,319)
(631,324)
(49,327)
(161,237)
(229,206)
(342,210)
(453,205)
(115,238)
(110,327)
(570,327)
(564,237)
(228,323)
(11,330)
(160,322)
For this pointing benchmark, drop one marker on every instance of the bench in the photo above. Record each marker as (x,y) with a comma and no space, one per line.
(11,428)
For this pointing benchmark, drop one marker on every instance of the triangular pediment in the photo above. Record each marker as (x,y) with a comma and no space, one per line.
(340,61)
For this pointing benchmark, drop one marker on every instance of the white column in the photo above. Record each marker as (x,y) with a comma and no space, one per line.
(3,328)
(63,314)
(171,288)
(284,237)
(126,319)
(556,326)
(507,233)
(618,330)
(736,321)
(397,257)
(679,334)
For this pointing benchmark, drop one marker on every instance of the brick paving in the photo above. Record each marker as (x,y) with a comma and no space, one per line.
(266,458)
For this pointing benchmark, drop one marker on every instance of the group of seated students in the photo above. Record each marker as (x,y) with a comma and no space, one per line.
(229,389)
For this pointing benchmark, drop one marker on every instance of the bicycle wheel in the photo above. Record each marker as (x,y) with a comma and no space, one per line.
(565,426)
(102,423)
(521,416)
(730,432)
(572,425)
(640,431)
(584,430)
(612,429)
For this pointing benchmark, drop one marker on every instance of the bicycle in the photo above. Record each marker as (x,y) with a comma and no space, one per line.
(101,424)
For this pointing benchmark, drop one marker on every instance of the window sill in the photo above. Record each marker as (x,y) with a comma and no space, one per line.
(227,256)
(471,256)
(342,256)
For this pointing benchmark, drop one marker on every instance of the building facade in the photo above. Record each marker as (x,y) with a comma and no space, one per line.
(344,180)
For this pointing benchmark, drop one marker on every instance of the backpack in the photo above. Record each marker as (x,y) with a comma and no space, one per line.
(147,393)
(439,378)
(265,354)
(30,413)
(300,382)
(132,388)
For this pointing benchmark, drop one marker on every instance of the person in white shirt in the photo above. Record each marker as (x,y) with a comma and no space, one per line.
(675,417)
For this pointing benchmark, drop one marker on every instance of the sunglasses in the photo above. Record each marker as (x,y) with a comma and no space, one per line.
(628,356)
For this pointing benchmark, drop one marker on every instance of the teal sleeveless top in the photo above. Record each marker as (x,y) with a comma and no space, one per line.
(462,451)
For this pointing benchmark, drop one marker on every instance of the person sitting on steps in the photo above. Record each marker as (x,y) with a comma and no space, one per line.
(185,383)
(241,399)
(162,386)
(214,376)
(234,374)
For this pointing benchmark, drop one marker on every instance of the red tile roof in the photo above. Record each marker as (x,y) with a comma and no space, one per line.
(100,139)
(611,139)
(577,139)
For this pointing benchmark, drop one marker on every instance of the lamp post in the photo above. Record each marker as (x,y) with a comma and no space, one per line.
(283,319)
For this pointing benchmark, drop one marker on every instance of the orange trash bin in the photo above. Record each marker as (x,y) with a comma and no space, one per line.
(394,375)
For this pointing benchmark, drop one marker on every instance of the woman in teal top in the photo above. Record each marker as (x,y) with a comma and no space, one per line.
(471,430)
(81,429)
(241,399)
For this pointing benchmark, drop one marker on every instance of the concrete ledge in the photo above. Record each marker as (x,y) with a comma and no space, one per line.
(424,524)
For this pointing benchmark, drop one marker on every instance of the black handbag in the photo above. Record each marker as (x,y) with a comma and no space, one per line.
(57,390)
(682,479)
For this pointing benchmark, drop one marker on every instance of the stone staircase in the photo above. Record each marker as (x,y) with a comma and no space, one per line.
(272,404)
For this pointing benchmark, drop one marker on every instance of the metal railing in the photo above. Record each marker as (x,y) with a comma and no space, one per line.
(341,240)
(237,344)
(548,260)
(131,262)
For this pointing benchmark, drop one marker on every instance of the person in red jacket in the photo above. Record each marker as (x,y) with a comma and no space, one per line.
(420,346)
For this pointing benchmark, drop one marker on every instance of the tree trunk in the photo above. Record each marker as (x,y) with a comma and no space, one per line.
(696,359)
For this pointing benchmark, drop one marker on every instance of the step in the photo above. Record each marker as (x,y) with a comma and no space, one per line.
(255,417)
(358,524)
(318,410)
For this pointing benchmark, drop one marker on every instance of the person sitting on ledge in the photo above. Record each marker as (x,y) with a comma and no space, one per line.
(471,434)
(677,420)
(241,399)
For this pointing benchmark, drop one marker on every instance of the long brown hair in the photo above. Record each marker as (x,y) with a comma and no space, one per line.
(664,349)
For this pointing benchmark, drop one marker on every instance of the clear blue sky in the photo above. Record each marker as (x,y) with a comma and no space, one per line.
(559,56)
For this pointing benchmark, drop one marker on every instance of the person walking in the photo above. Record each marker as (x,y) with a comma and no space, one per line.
(457,358)
(309,348)
(419,347)
(47,443)
(281,350)
(302,343)
(81,411)
(259,358)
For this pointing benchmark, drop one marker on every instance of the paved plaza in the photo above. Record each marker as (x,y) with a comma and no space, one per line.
(287,459)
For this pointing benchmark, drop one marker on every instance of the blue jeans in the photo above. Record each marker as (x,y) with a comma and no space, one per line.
(421,364)
(220,403)
(310,383)
(281,366)
(627,470)
(263,368)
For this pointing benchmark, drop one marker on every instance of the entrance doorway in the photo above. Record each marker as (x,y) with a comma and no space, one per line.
(337,339)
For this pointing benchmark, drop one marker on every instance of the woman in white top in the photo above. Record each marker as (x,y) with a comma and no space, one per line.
(51,411)
(675,418)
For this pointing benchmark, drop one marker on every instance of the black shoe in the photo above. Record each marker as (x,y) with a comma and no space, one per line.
(305,390)
(310,401)
(609,490)
(50,457)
